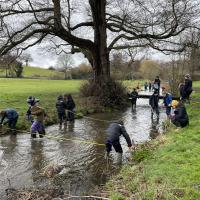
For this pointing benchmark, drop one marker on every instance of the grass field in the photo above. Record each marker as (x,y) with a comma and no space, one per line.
(14,93)
(166,168)
(38,73)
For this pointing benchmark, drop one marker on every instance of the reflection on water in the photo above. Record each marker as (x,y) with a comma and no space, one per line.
(84,164)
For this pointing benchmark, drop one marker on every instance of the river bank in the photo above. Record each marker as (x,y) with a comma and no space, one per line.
(14,93)
(165,168)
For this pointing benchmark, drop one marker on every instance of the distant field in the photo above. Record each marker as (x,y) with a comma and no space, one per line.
(39,72)
(14,92)
(196,84)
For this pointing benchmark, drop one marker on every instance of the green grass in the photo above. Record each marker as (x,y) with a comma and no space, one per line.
(168,166)
(14,93)
(38,72)
(196,84)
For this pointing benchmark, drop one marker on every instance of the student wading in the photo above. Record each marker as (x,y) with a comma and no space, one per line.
(114,131)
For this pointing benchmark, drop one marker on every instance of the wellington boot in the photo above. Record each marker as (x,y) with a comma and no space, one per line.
(119,158)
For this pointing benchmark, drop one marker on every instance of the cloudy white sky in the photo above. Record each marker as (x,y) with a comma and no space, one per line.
(44,59)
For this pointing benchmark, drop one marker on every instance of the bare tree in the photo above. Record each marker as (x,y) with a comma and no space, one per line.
(27,58)
(64,64)
(12,66)
(95,27)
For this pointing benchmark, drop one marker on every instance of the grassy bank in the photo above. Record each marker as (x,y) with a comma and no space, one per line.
(166,168)
(14,93)
(37,72)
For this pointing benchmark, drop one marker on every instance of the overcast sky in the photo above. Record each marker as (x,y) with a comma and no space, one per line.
(44,59)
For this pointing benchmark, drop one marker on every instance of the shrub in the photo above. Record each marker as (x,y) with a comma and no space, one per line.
(109,93)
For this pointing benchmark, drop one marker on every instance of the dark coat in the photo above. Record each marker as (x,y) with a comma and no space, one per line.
(70,105)
(134,95)
(115,130)
(157,81)
(187,86)
(181,114)
(61,106)
(153,101)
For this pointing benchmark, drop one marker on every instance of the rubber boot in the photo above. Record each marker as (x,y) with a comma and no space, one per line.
(33,135)
(119,158)
(65,126)
(14,132)
(60,126)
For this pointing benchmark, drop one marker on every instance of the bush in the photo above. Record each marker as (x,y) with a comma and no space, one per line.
(109,93)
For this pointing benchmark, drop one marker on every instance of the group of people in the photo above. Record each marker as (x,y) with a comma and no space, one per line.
(155,85)
(65,107)
(175,110)
(37,114)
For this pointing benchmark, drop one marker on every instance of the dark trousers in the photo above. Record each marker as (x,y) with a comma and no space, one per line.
(70,116)
(168,110)
(133,102)
(180,123)
(62,117)
(116,144)
(155,109)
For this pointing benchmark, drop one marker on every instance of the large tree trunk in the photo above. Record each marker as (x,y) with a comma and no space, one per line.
(101,64)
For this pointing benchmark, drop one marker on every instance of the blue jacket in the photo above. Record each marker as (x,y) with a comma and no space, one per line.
(10,114)
(167,99)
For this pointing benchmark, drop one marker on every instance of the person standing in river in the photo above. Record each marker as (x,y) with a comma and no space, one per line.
(134,96)
(60,107)
(153,102)
(156,85)
(38,123)
(114,131)
(70,107)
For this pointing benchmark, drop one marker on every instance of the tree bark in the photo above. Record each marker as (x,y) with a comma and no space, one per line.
(100,56)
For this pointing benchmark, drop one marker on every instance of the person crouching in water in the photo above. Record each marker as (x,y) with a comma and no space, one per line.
(167,102)
(60,106)
(153,102)
(180,117)
(134,96)
(38,123)
(70,107)
(12,116)
(114,131)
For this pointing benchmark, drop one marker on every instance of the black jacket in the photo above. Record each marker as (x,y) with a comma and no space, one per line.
(115,130)
(157,80)
(134,95)
(181,114)
(153,101)
(61,106)
(70,105)
(188,85)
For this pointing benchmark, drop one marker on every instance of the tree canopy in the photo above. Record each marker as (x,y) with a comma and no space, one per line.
(95,27)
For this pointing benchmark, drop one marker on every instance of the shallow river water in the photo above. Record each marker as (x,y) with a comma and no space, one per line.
(23,158)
